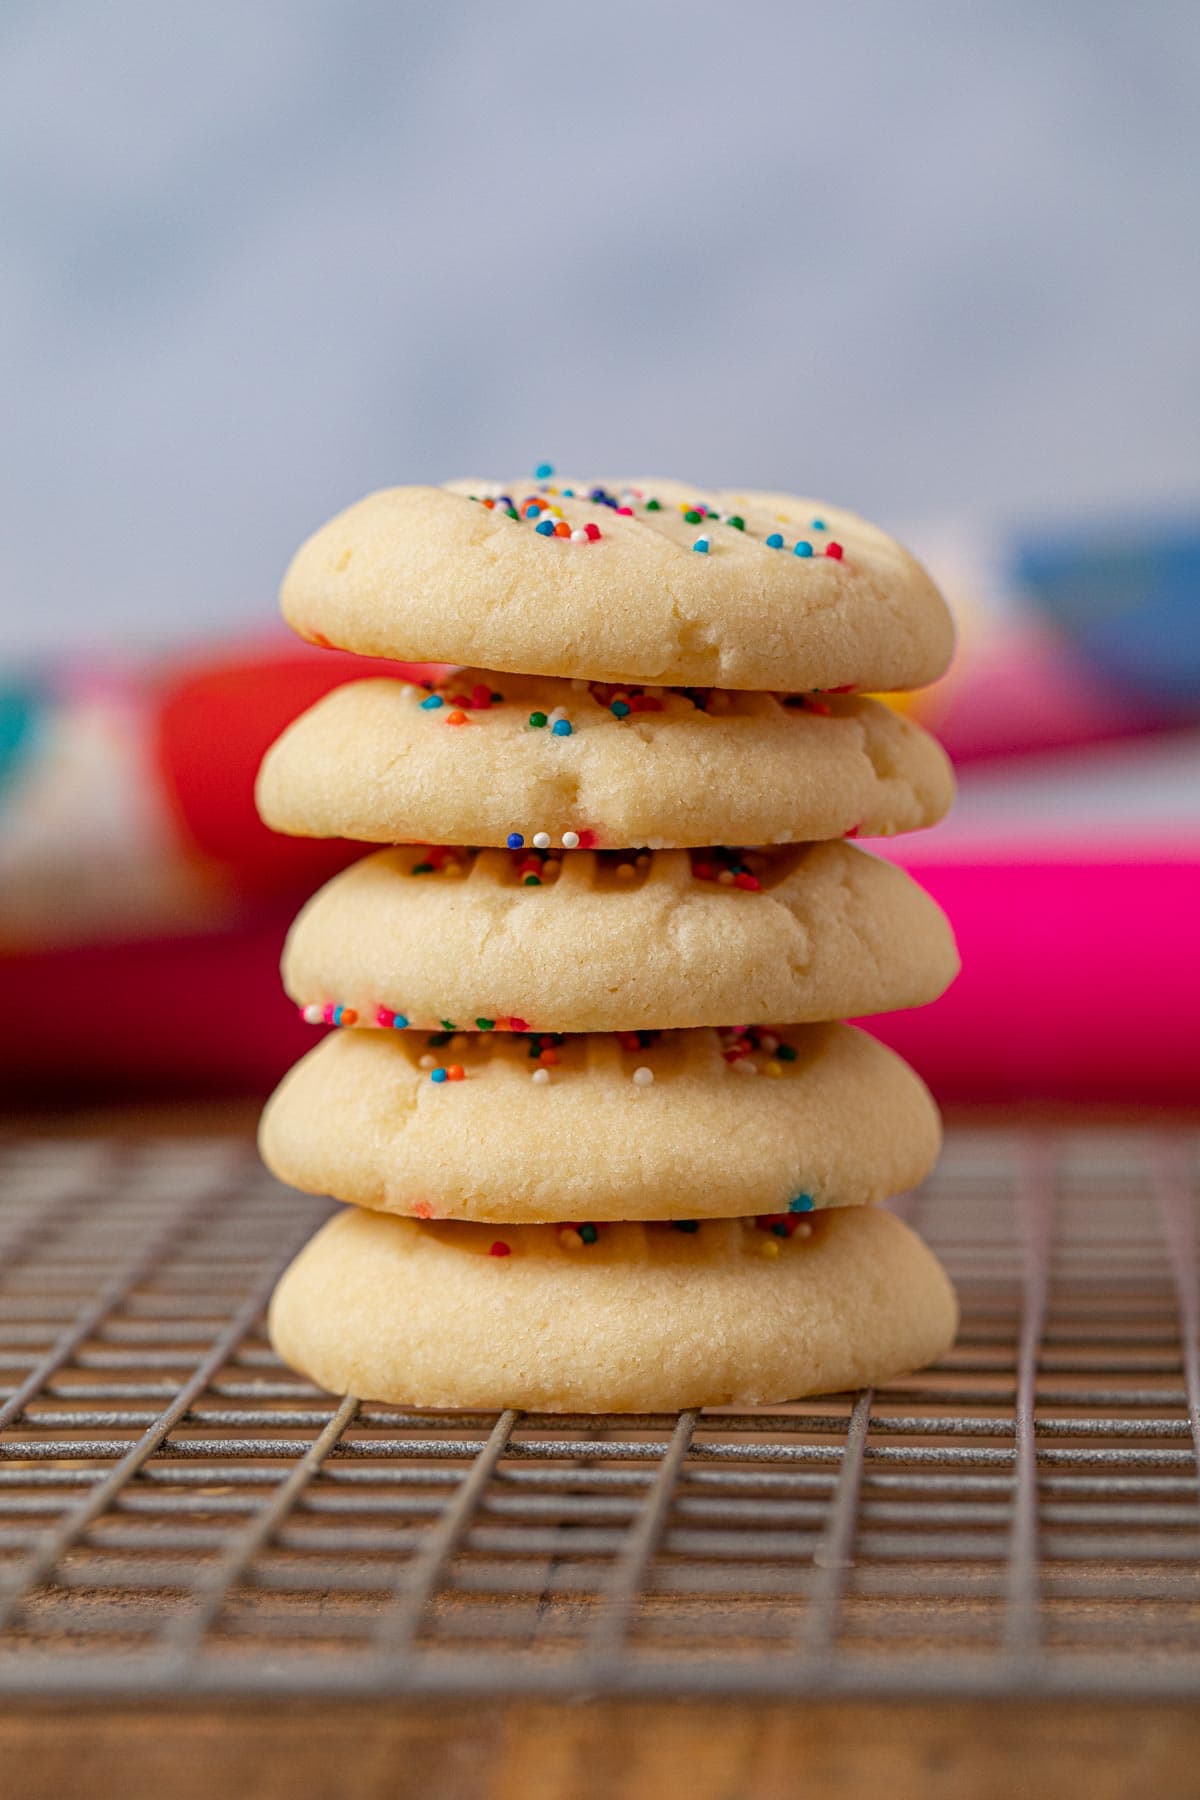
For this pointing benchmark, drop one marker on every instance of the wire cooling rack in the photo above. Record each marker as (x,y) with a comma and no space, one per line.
(181,1516)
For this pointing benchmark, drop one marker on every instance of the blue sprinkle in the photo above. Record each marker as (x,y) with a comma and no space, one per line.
(543,472)
(803,548)
(337,1015)
(432,704)
(775,541)
(532,511)
(701,544)
(620,708)
(545,528)
(561,728)
(514,840)
(399,1023)
(819,525)
(438,1075)
(588,1233)
(568,493)
(802,1203)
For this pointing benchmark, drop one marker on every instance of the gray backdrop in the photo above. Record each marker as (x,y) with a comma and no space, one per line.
(260,257)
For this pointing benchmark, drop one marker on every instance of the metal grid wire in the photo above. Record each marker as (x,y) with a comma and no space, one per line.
(179,1515)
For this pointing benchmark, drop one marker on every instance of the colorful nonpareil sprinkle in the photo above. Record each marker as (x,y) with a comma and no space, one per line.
(643,1077)
(500,1248)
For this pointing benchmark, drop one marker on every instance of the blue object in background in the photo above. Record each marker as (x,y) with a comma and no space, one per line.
(1129,600)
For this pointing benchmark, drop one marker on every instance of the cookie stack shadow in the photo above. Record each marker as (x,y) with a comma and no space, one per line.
(603,1142)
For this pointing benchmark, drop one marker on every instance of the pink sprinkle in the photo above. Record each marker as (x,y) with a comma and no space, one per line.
(384,1017)
(500,1248)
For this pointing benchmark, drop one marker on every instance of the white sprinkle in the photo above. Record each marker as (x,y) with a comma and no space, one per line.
(427,1062)
(643,1077)
(541,1076)
(804,1230)
(541,840)
(408,691)
(570,840)
(579,537)
(314,1015)
(744,1066)
(560,712)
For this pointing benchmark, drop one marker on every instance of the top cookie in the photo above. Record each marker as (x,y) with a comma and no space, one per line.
(648,581)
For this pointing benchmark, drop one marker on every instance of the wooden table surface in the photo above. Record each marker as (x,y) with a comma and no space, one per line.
(618,1750)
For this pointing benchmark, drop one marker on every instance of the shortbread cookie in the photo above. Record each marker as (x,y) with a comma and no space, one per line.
(585,941)
(672,1125)
(643,1319)
(495,760)
(649,581)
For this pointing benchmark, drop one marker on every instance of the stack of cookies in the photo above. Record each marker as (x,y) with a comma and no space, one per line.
(604,1145)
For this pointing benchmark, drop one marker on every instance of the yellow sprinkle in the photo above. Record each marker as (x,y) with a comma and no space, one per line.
(772,1068)
(769,1247)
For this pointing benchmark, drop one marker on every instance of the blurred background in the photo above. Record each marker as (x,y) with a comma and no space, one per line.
(940,263)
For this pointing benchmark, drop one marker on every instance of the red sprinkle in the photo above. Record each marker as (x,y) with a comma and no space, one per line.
(587,840)
(644,703)
(817,706)
(500,1248)
(593,532)
(481,697)
(517,1025)
(750,882)
(384,1017)
(704,871)
(624,512)
(834,550)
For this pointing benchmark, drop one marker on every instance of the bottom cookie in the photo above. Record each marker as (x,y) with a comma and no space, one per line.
(646,1318)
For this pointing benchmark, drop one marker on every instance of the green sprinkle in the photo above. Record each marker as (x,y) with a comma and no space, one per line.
(449,1025)
(693,518)
(785,1053)
(738,523)
(512,513)
(422,869)
(436,1039)
(537,718)
(532,881)
(588,1233)
(653,506)
(485,1024)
